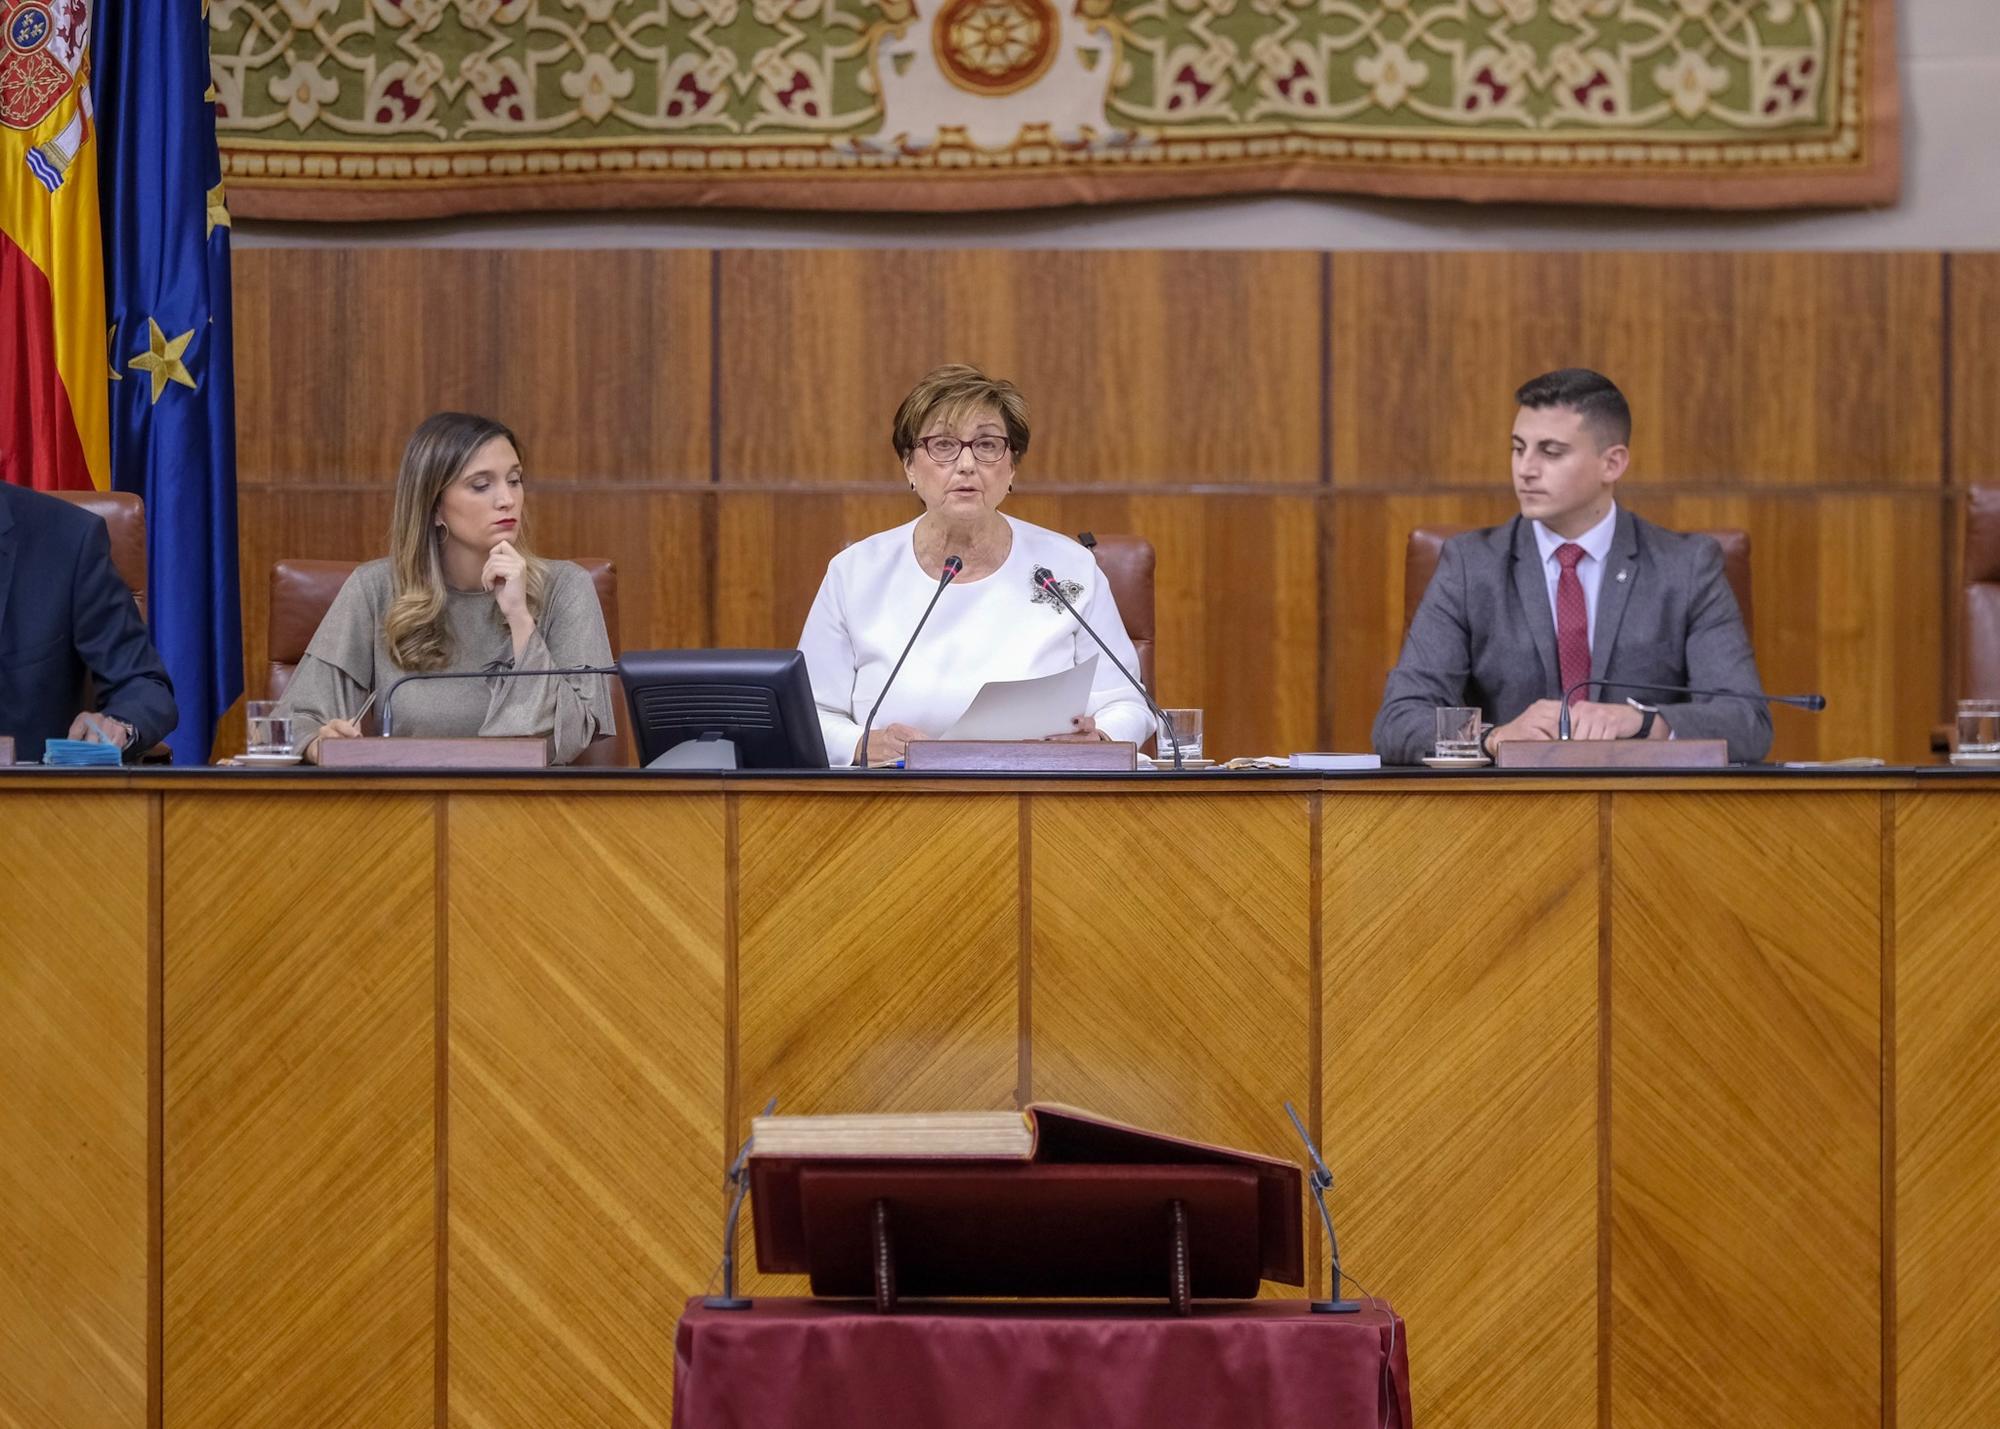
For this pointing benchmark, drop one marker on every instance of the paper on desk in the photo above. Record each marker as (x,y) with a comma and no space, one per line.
(1027,709)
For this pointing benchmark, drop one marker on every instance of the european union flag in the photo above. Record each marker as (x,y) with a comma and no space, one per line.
(173,384)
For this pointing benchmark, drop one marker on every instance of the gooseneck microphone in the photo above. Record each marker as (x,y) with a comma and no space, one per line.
(389,699)
(736,1181)
(1045,578)
(952,566)
(1802,702)
(1321,1181)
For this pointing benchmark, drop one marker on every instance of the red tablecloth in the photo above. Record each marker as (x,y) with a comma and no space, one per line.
(831,1364)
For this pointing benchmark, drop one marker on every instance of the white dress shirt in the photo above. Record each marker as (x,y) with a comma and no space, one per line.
(989,629)
(1596,543)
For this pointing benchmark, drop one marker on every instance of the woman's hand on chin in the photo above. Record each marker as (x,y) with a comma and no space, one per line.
(506,575)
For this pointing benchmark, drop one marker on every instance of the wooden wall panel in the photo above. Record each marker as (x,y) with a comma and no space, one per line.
(1849,601)
(1975,368)
(1746,1130)
(598,358)
(1193,1016)
(299,1227)
(1459,1061)
(1163,367)
(1947,1089)
(74,1078)
(586,1100)
(1739,366)
(1212,393)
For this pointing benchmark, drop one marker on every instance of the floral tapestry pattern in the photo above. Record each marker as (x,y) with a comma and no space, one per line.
(427,106)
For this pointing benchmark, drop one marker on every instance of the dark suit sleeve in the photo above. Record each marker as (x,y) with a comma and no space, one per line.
(1432,670)
(1719,658)
(112,642)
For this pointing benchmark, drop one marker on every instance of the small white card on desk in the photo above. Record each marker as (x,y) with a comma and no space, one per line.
(1334,761)
(1027,709)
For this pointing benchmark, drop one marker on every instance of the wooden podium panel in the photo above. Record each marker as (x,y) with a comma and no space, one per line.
(1746,1115)
(299,1196)
(74,1071)
(1946,1142)
(584,1080)
(1171,962)
(1476,1105)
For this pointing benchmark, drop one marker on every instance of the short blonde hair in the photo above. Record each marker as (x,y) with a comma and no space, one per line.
(954,392)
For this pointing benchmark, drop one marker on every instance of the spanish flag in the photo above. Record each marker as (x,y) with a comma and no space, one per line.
(54,368)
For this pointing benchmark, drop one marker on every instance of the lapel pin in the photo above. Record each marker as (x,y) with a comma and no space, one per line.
(1621,577)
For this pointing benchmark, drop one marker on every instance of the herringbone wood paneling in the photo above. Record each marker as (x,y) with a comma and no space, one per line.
(1164,367)
(1460,1070)
(1171,962)
(585,1125)
(1746,1133)
(1947,1078)
(300,1012)
(878,958)
(73,1099)
(1739,366)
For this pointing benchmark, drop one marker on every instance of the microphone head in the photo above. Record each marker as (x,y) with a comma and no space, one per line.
(1815,702)
(953,565)
(1044,576)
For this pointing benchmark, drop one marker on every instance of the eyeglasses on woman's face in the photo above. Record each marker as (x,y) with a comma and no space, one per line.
(944,450)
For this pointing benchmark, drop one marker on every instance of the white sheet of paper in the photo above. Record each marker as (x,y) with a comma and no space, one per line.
(1027,709)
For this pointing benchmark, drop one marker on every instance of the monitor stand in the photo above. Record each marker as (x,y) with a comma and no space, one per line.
(711,751)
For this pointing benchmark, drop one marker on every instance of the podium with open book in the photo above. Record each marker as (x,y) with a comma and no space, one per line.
(1086,1218)
(1050,1201)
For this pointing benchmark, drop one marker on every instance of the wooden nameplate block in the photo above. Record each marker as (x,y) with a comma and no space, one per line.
(6,751)
(1612,754)
(1036,756)
(498,752)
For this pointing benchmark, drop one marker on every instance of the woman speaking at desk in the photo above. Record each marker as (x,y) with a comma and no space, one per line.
(460,591)
(960,436)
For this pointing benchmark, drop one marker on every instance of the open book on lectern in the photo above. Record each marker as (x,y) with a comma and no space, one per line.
(1047,1201)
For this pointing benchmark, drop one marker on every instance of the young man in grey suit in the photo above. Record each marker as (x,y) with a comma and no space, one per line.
(1575,588)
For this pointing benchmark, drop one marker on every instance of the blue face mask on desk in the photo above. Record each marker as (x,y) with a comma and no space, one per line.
(77,753)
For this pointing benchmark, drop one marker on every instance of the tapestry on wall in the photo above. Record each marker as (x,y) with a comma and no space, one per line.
(402,108)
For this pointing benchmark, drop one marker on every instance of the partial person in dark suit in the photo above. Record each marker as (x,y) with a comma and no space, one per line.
(1574,587)
(67,619)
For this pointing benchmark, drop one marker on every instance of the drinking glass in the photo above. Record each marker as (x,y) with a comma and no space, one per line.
(269,732)
(1979,727)
(1187,728)
(1458,733)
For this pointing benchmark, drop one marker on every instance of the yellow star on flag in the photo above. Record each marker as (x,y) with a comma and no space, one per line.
(218,211)
(110,342)
(162,359)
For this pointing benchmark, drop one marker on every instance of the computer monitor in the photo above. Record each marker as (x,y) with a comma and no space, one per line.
(722,709)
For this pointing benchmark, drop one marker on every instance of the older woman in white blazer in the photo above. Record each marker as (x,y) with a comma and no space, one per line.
(960,436)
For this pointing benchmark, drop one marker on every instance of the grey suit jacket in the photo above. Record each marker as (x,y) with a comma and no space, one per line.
(1484,635)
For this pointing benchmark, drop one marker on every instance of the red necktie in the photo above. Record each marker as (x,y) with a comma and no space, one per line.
(1572,620)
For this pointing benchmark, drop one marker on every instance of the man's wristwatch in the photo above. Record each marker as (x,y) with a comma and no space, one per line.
(1647,714)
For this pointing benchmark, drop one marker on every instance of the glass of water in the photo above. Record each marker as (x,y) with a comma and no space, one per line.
(1457,734)
(1979,728)
(269,732)
(1187,729)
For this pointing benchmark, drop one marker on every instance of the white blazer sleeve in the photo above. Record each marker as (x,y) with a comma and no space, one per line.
(1114,704)
(829,651)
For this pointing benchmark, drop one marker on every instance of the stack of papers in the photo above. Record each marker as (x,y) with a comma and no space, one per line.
(78,753)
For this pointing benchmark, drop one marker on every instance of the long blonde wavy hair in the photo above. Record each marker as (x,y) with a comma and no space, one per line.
(439,450)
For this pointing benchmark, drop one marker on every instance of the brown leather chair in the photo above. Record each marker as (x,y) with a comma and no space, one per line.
(1127,563)
(1420,561)
(302,592)
(125,516)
